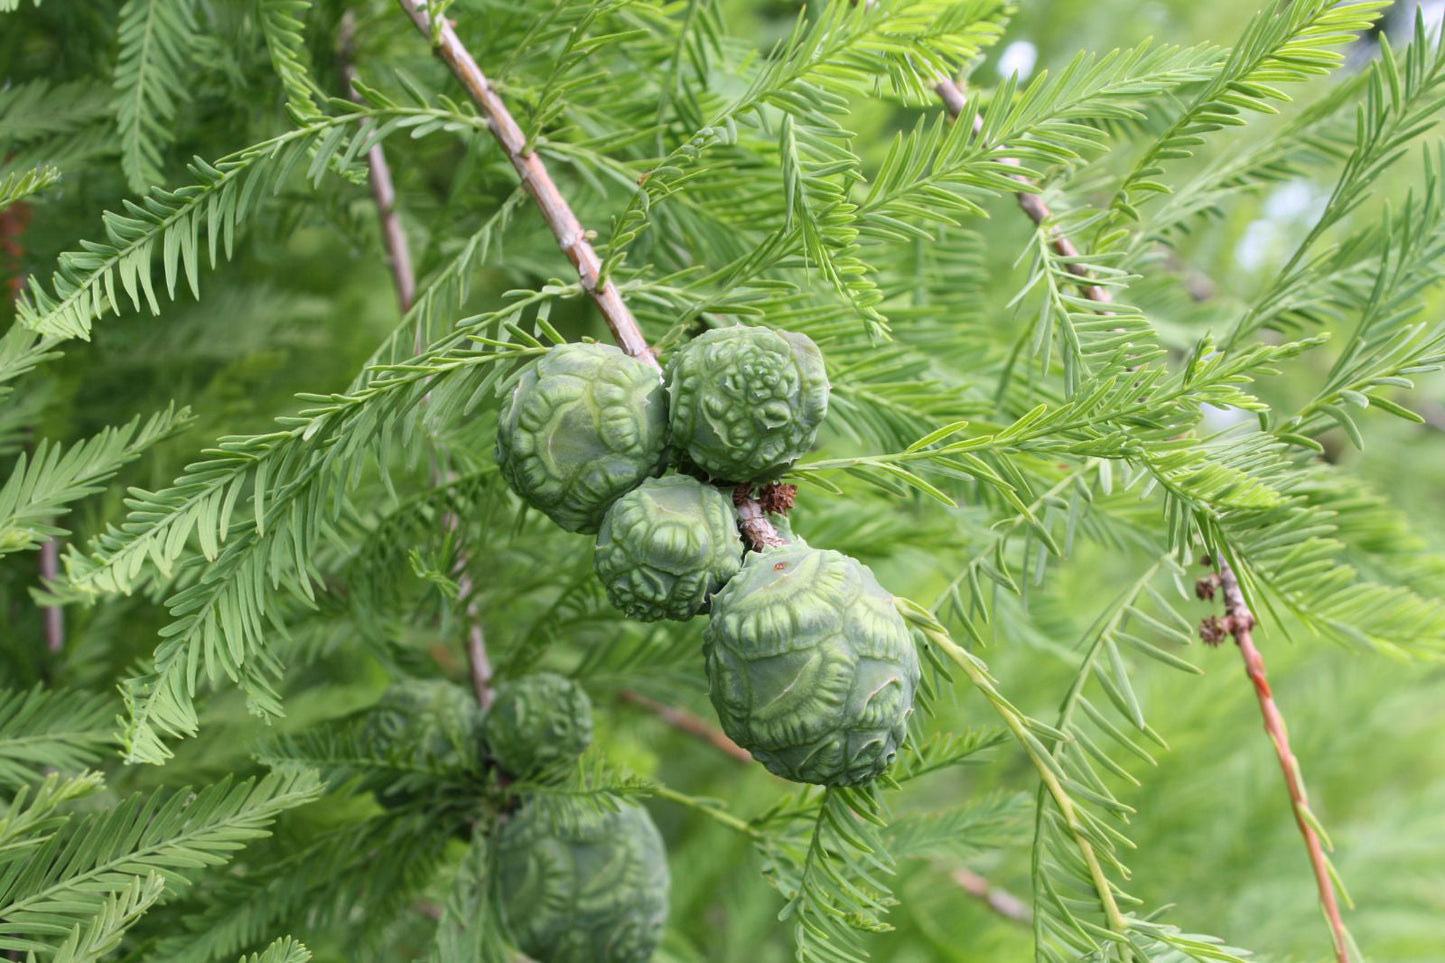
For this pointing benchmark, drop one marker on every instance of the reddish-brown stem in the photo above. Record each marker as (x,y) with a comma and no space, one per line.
(481,666)
(398,254)
(1240,622)
(1000,900)
(574,241)
(684,721)
(1032,204)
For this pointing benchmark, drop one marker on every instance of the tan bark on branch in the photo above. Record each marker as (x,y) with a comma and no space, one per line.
(684,721)
(383,191)
(570,235)
(573,240)
(996,898)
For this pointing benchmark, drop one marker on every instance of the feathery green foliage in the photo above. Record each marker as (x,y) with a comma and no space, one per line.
(284,950)
(39,488)
(19,185)
(57,729)
(1083,325)
(149,83)
(103,932)
(282,25)
(1286,42)
(160,835)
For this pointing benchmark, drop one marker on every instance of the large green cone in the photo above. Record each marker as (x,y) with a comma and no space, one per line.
(667,547)
(810,666)
(538,725)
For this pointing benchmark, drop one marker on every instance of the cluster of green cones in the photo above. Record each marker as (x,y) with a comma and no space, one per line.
(809,664)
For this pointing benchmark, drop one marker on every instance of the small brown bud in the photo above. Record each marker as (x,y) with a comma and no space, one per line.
(1204,588)
(1212,630)
(778,498)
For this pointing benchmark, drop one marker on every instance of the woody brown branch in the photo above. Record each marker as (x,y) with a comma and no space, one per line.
(383,191)
(996,898)
(753,520)
(398,254)
(1239,622)
(537,181)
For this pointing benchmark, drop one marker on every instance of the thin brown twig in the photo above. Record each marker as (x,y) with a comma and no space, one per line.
(398,253)
(574,241)
(753,520)
(996,898)
(1240,623)
(383,191)
(1032,204)
(54,614)
(477,660)
(1238,620)
(684,721)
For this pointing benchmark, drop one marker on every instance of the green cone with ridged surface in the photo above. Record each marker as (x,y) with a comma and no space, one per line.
(433,725)
(584,424)
(810,666)
(667,547)
(588,888)
(745,403)
(538,725)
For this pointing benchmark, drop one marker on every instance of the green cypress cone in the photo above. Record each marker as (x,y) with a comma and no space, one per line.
(584,424)
(667,547)
(810,666)
(432,724)
(583,886)
(538,725)
(745,403)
